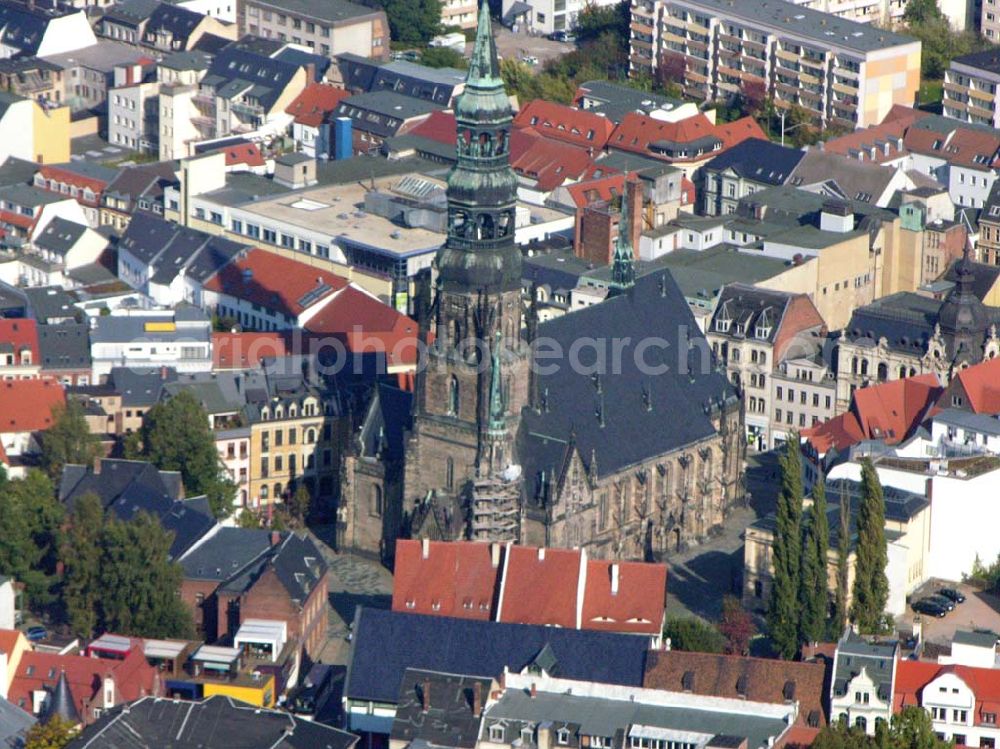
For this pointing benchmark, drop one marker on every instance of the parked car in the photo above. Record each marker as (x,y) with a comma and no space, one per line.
(929,607)
(309,698)
(945,603)
(529,59)
(561,36)
(951,594)
(36,633)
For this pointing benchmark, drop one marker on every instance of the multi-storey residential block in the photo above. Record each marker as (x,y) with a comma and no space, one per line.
(804,393)
(750,166)
(329,27)
(546,16)
(840,71)
(989,20)
(962,14)
(970,88)
(752,332)
(32,78)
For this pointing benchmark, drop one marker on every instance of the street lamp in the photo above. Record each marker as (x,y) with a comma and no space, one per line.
(782,114)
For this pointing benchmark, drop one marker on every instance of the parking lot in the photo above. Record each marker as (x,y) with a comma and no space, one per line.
(979,611)
(523,45)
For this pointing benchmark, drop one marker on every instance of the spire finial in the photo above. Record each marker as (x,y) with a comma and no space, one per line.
(623,262)
(484,67)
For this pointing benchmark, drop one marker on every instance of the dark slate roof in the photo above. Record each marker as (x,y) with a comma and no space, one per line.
(452,717)
(301,58)
(15,171)
(759,161)
(619,417)
(60,236)
(23,27)
(334,11)
(214,722)
(296,562)
(382,112)
(436,85)
(52,303)
(64,346)
(557,270)
(61,703)
(855,654)
(131,12)
(171,248)
(905,319)
(225,553)
(987,59)
(386,643)
(14,723)
(984,280)
(237,71)
(357,72)
(127,487)
(388,420)
(143,179)
(617,100)
(140,387)
(752,307)
(177,21)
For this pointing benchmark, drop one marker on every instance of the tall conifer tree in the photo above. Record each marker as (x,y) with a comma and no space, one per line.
(783,606)
(813,594)
(871,586)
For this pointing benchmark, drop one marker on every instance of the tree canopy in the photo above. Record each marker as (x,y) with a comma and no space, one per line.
(911,728)
(783,606)
(871,586)
(54,733)
(413,21)
(813,590)
(30,519)
(691,633)
(175,436)
(68,440)
(443,57)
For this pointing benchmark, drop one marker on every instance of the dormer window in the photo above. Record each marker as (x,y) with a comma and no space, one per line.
(496,732)
(562,737)
(722,324)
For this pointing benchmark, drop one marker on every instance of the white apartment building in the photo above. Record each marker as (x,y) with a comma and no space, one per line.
(841,71)
(547,16)
(970,88)
(149,339)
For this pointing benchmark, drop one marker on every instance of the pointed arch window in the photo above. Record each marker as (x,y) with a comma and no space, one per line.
(450,474)
(453,396)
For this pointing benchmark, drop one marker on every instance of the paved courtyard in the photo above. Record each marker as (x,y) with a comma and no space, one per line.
(520,45)
(980,611)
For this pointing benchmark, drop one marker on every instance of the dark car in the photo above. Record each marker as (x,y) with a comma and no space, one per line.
(562,36)
(951,594)
(36,634)
(929,607)
(945,603)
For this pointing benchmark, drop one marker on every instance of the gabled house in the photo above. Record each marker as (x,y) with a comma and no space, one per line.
(28,31)
(135,189)
(68,244)
(172,28)
(566,124)
(312,110)
(26,408)
(382,114)
(840,177)
(20,356)
(751,165)
(83,181)
(863,682)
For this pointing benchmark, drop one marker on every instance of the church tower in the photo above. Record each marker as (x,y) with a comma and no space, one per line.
(475,380)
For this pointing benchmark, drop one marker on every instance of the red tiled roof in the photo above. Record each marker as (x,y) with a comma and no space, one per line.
(595,190)
(21,334)
(16,219)
(901,112)
(133,677)
(637,606)
(8,637)
(274,282)
(26,405)
(243,153)
(364,324)
(439,126)
(540,586)
(570,124)
(885,139)
(453,579)
(70,177)
(548,162)
(315,101)
(5,461)
(888,411)
(245,350)
(981,383)
(717,675)
(636,132)
(963,146)
(911,677)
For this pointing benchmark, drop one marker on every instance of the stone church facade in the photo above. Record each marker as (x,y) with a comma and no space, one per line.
(631,465)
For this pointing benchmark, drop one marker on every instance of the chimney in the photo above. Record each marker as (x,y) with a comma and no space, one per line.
(635,206)
(477,699)
(534,690)
(495,554)
(541,553)
(425,695)
(614,578)
(425,548)
(163,373)
(97,465)
(275,538)
(836,216)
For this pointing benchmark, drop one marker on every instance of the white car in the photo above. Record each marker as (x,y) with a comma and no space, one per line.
(529,59)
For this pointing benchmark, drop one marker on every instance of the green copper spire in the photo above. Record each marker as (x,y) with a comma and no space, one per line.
(623,262)
(496,389)
(484,67)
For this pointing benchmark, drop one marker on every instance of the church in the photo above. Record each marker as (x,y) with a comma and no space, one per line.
(610,428)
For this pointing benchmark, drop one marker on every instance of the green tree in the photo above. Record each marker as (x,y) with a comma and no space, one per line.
(82,565)
(596,20)
(132,446)
(813,594)
(921,11)
(871,587)
(298,504)
(443,57)
(68,440)
(138,584)
(736,626)
(413,21)
(783,610)
(693,634)
(840,612)
(176,437)
(911,728)
(30,519)
(54,733)
(248,519)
